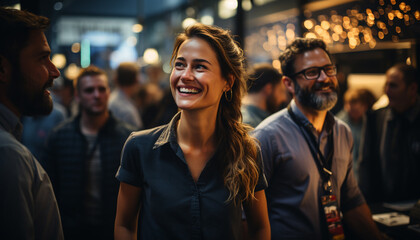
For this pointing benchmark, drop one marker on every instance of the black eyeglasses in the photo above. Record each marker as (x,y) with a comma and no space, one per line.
(313,73)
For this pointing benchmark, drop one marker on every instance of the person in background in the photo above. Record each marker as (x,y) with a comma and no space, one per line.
(63,94)
(357,101)
(189,178)
(121,102)
(36,130)
(82,158)
(307,155)
(266,93)
(28,208)
(389,169)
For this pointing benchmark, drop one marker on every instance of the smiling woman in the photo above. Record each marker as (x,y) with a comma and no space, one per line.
(189,179)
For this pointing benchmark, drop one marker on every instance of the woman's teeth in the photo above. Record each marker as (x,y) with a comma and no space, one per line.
(188,90)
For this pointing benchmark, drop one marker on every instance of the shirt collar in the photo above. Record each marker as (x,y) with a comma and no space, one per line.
(168,135)
(10,122)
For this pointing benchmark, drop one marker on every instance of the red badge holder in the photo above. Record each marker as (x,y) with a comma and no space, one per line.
(332,213)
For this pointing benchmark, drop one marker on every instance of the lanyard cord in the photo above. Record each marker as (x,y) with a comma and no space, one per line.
(323,164)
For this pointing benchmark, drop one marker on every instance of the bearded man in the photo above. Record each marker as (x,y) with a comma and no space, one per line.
(28,208)
(307,155)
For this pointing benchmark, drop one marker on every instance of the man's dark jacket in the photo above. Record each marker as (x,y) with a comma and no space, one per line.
(65,162)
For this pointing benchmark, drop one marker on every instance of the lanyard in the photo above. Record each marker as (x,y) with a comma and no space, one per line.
(323,164)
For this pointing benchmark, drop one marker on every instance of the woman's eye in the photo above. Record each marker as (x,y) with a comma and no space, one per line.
(199,66)
(179,64)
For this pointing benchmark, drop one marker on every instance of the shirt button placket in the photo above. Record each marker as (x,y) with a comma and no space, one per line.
(195,215)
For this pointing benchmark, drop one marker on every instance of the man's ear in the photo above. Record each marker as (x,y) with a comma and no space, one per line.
(268,89)
(289,84)
(5,69)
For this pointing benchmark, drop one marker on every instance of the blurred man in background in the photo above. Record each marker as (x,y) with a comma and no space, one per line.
(266,94)
(121,102)
(357,101)
(82,158)
(390,167)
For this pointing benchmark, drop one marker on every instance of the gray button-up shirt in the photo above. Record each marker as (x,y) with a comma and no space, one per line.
(28,209)
(293,193)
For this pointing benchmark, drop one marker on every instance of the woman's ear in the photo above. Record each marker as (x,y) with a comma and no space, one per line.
(229,83)
(289,84)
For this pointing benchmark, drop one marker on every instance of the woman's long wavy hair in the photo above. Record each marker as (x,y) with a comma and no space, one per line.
(238,149)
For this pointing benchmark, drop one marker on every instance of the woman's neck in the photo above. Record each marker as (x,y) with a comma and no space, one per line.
(196,129)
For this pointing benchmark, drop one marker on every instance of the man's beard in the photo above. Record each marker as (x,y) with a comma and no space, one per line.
(30,102)
(318,101)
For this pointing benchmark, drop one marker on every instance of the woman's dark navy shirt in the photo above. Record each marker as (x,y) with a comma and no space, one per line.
(173,205)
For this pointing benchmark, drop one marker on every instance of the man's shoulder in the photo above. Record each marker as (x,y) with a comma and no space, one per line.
(121,127)
(66,125)
(274,121)
(12,152)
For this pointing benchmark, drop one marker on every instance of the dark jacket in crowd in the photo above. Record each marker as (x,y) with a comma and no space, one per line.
(393,175)
(65,163)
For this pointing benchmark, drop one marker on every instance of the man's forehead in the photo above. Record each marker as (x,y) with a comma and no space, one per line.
(313,58)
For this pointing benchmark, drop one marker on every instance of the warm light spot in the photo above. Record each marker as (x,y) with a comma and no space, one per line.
(395,38)
(188,22)
(417,14)
(59,60)
(310,35)
(308,24)
(398,29)
(372,43)
(266,46)
(290,34)
(402,6)
(335,37)
(151,56)
(325,25)
(137,28)
(393,2)
(75,48)
(276,64)
(390,16)
(71,71)
(338,29)
(207,19)
(381,35)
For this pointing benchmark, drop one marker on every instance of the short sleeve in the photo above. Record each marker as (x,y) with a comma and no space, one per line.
(130,170)
(266,151)
(262,181)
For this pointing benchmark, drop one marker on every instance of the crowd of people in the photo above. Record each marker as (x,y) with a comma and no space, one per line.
(221,153)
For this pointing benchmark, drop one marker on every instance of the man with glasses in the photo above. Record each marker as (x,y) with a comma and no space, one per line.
(307,155)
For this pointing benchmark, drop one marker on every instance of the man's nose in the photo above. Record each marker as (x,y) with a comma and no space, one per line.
(54,73)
